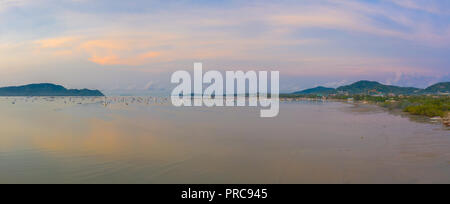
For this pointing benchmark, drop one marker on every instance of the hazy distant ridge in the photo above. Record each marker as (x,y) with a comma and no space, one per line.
(373,87)
(46,90)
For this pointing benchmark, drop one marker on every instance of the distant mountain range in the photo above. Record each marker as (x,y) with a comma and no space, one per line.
(46,90)
(376,88)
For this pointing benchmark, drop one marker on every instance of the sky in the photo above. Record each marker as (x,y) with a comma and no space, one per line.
(134,46)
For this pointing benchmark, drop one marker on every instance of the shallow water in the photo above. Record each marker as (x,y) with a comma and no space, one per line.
(132,140)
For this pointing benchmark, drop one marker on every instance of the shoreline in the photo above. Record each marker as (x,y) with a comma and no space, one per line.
(445,121)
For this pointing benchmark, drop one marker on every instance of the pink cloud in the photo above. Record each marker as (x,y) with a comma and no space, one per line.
(56,42)
(131,61)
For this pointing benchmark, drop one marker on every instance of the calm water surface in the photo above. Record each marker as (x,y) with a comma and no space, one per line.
(63,140)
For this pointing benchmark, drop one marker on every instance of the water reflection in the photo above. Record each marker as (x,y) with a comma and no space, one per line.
(147,140)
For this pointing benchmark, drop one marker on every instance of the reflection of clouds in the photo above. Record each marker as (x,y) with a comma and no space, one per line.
(95,136)
(104,137)
(117,137)
(164,145)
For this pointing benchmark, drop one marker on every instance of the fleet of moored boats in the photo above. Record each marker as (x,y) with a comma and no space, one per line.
(105,101)
(126,101)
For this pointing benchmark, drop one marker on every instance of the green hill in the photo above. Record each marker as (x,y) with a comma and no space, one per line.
(372,87)
(376,88)
(438,88)
(318,90)
(46,90)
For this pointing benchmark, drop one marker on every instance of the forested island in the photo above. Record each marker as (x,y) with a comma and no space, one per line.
(46,89)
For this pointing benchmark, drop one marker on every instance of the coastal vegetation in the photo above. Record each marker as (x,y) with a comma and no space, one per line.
(433,101)
(377,89)
(425,105)
(428,106)
(431,106)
